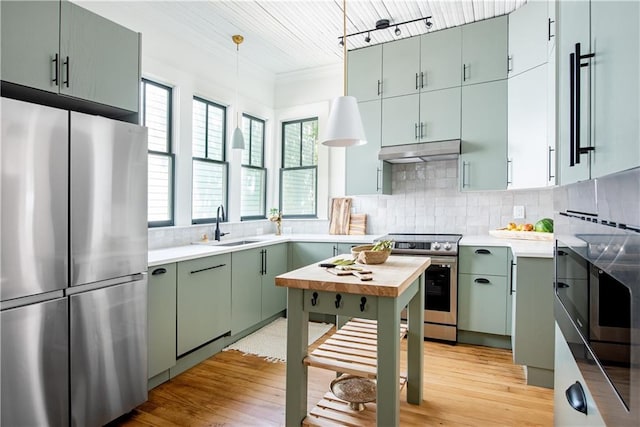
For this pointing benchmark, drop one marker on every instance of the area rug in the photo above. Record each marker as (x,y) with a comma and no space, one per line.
(270,341)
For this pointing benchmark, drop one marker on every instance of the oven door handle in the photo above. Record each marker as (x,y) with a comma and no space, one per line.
(576,397)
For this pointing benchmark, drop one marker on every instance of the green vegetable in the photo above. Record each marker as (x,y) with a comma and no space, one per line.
(343,261)
(383,245)
(545,225)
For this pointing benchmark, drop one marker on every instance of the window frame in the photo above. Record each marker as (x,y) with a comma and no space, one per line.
(251,166)
(169,153)
(223,162)
(283,169)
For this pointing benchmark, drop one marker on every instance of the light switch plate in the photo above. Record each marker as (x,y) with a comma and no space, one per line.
(518,212)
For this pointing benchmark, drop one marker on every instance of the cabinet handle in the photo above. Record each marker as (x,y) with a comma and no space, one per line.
(465,182)
(314,299)
(578,58)
(416,130)
(562,285)
(158,271)
(335,250)
(363,302)
(338,299)
(549,35)
(66,62)
(572,109)
(509,171)
(550,150)
(378,179)
(422,79)
(264,255)
(379,87)
(208,268)
(416,81)
(422,130)
(511,291)
(509,63)
(483,252)
(574,141)
(55,70)
(482,281)
(464,72)
(577,398)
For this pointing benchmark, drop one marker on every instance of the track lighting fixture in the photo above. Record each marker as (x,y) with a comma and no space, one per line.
(368,38)
(428,23)
(382,24)
(397,31)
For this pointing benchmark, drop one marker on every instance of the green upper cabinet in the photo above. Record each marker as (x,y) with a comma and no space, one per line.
(528,37)
(401,67)
(364,78)
(400,120)
(30,41)
(440,59)
(274,298)
(440,115)
(62,48)
(483,158)
(365,174)
(608,124)
(484,51)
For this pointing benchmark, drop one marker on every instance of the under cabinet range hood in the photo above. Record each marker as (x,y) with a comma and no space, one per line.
(423,152)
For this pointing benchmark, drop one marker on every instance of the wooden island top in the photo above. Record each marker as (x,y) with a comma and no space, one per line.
(390,279)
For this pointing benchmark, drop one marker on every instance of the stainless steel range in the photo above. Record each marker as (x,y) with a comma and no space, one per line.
(441,279)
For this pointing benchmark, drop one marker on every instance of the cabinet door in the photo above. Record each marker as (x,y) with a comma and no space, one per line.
(204,301)
(400,120)
(345,248)
(246,293)
(161,318)
(364,78)
(615,40)
(484,51)
(100,59)
(440,115)
(274,298)
(528,36)
(483,159)
(440,59)
(527,145)
(365,174)
(482,303)
(491,260)
(30,43)
(572,27)
(305,253)
(401,67)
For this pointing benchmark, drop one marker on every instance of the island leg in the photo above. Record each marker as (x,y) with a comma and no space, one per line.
(415,346)
(297,372)
(388,380)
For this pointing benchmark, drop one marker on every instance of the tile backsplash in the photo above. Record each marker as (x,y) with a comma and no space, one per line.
(425,199)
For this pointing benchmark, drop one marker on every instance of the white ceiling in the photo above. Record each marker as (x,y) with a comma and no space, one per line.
(282,36)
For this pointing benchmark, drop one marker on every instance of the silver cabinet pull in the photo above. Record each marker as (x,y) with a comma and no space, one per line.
(465,183)
(509,171)
(551,175)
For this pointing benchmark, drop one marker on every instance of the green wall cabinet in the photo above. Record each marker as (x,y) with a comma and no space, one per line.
(440,59)
(400,67)
(60,47)
(204,301)
(364,78)
(161,315)
(529,31)
(484,51)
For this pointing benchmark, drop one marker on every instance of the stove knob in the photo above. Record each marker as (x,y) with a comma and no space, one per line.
(447,246)
(435,245)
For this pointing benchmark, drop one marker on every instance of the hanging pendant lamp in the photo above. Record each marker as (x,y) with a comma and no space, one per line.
(344,127)
(237,139)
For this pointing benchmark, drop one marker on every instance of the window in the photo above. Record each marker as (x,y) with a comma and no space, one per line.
(299,173)
(156,116)
(254,175)
(210,170)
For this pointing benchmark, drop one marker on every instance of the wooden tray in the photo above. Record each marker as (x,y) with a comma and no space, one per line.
(521,235)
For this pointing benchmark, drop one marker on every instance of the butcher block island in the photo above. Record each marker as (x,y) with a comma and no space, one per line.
(375,305)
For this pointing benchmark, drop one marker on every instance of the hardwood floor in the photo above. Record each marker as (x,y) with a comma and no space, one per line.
(463,385)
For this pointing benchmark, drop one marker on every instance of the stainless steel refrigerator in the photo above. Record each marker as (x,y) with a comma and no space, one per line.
(73,266)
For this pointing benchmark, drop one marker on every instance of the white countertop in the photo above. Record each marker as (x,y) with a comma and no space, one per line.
(520,248)
(201,249)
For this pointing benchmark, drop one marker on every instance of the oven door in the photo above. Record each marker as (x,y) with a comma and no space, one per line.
(441,291)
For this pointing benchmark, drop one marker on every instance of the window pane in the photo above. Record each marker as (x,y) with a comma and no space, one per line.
(246,127)
(216,133)
(156,117)
(257,142)
(253,192)
(299,192)
(159,194)
(291,145)
(199,128)
(309,138)
(209,188)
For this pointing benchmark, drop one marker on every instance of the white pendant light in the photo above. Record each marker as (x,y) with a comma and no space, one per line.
(237,139)
(344,127)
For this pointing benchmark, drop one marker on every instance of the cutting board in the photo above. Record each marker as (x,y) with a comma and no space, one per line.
(358,224)
(521,235)
(340,215)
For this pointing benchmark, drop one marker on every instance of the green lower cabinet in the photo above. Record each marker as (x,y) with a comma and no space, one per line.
(161,318)
(246,299)
(204,301)
(305,253)
(274,298)
(482,303)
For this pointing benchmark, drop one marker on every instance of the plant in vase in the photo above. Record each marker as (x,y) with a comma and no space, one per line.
(276,216)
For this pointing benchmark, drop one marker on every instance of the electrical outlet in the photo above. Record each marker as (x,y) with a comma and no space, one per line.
(518,212)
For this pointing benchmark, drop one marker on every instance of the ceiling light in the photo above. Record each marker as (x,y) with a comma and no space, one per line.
(344,126)
(237,139)
(428,23)
(382,24)
(368,38)
(397,31)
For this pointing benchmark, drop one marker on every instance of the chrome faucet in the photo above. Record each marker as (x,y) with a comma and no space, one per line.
(218,234)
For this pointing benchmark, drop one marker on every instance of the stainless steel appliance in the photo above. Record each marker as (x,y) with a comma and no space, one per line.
(73,266)
(441,279)
(597,286)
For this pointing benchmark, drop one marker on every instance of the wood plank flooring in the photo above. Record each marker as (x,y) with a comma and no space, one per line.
(463,386)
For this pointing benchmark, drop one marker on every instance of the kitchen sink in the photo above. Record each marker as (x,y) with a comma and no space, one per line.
(238,243)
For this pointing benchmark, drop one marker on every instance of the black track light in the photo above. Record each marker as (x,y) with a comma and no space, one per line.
(428,23)
(383,24)
(397,31)
(368,38)
(341,41)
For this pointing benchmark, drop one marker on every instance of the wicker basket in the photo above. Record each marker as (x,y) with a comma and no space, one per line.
(364,254)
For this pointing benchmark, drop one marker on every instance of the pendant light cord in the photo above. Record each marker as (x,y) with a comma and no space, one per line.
(237,81)
(344,46)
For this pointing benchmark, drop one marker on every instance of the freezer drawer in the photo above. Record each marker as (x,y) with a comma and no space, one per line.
(34,355)
(108,199)
(34,151)
(108,352)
